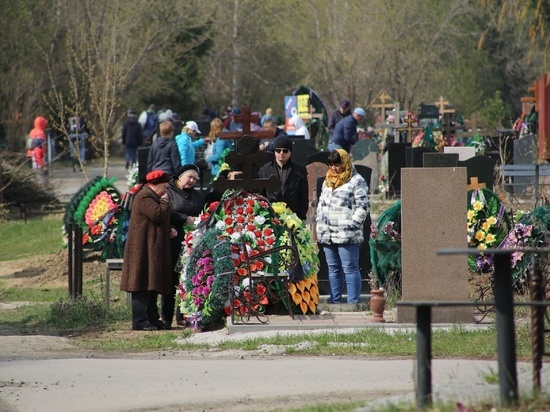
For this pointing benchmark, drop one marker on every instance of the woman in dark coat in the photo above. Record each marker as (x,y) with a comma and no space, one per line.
(146,271)
(187,203)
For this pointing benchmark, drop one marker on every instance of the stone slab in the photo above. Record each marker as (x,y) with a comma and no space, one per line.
(433,216)
(464,153)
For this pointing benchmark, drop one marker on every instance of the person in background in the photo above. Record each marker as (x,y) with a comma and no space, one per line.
(220,146)
(293,176)
(132,137)
(148,120)
(188,142)
(233,125)
(78,131)
(299,126)
(338,114)
(146,270)
(39,162)
(267,116)
(345,132)
(342,209)
(164,154)
(187,204)
(37,132)
(267,144)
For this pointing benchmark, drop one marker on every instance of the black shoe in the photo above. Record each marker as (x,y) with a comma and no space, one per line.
(145,326)
(167,325)
(158,324)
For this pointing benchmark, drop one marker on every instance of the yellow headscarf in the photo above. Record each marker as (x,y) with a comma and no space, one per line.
(335,180)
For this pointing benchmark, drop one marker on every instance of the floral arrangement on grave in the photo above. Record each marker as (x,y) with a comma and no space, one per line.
(531,230)
(95,208)
(430,137)
(487,227)
(245,224)
(385,248)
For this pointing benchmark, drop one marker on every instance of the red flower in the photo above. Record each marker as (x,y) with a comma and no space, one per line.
(236,262)
(276,221)
(251,227)
(242,272)
(213,206)
(240,219)
(229,230)
(263,204)
(258,233)
(228,220)
(249,210)
(96,230)
(270,240)
(204,216)
(239,211)
(250,202)
(261,242)
(239,201)
(268,231)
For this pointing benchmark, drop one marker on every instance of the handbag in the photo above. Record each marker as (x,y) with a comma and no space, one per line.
(202,164)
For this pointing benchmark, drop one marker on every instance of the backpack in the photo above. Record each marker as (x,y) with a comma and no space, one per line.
(150,124)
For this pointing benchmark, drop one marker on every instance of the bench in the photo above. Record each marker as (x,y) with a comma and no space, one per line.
(509,172)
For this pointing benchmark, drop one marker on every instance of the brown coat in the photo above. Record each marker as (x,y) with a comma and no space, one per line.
(147,252)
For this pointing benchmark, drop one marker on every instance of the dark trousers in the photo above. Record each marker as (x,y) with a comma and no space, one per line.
(144,309)
(169,302)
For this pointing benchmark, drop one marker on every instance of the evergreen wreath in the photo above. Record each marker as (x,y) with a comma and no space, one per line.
(207,284)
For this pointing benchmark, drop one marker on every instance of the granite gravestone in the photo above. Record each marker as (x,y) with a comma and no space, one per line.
(433,216)
(415,155)
(301,149)
(464,152)
(321,157)
(524,154)
(397,159)
(481,167)
(315,171)
(366,153)
(440,160)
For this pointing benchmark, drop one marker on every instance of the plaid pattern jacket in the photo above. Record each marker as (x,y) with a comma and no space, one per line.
(342,212)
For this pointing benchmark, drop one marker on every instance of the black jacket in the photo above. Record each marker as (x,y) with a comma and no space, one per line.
(185,203)
(294,190)
(132,133)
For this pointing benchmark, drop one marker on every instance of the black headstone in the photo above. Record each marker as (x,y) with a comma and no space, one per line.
(415,155)
(143,155)
(440,159)
(321,157)
(482,167)
(301,149)
(397,159)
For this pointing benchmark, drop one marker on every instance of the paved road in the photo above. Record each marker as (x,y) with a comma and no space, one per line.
(169,382)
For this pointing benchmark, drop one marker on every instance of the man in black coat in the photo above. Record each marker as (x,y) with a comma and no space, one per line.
(294,187)
(132,137)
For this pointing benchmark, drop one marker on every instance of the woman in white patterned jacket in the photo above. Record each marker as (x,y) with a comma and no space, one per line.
(343,208)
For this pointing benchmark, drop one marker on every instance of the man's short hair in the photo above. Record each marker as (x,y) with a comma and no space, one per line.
(166,128)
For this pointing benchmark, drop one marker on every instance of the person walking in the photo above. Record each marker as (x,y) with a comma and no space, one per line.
(293,176)
(132,137)
(342,209)
(220,146)
(146,270)
(338,114)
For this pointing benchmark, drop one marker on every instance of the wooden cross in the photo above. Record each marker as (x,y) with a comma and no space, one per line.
(441,103)
(245,118)
(382,97)
(475,185)
(409,129)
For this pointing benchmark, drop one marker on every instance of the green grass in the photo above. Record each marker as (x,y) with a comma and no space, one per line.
(31,294)
(38,236)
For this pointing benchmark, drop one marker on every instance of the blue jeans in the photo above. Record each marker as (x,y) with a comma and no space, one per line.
(343,262)
(131,155)
(80,140)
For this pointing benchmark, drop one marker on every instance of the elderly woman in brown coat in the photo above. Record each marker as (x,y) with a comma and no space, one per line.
(147,271)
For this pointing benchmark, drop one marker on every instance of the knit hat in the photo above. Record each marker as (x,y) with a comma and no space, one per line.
(156,177)
(345,104)
(186,168)
(283,142)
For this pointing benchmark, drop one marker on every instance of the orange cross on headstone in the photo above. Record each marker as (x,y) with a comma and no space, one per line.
(383,97)
(475,185)
(245,118)
(409,129)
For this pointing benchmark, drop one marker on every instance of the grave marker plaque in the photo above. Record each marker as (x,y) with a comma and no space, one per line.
(440,159)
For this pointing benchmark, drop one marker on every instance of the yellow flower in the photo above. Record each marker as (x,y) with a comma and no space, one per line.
(477,205)
(490,239)
(471,214)
(485,226)
(492,220)
(279,207)
(482,246)
(480,235)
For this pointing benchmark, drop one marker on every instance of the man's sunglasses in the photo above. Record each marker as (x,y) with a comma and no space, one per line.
(282,150)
